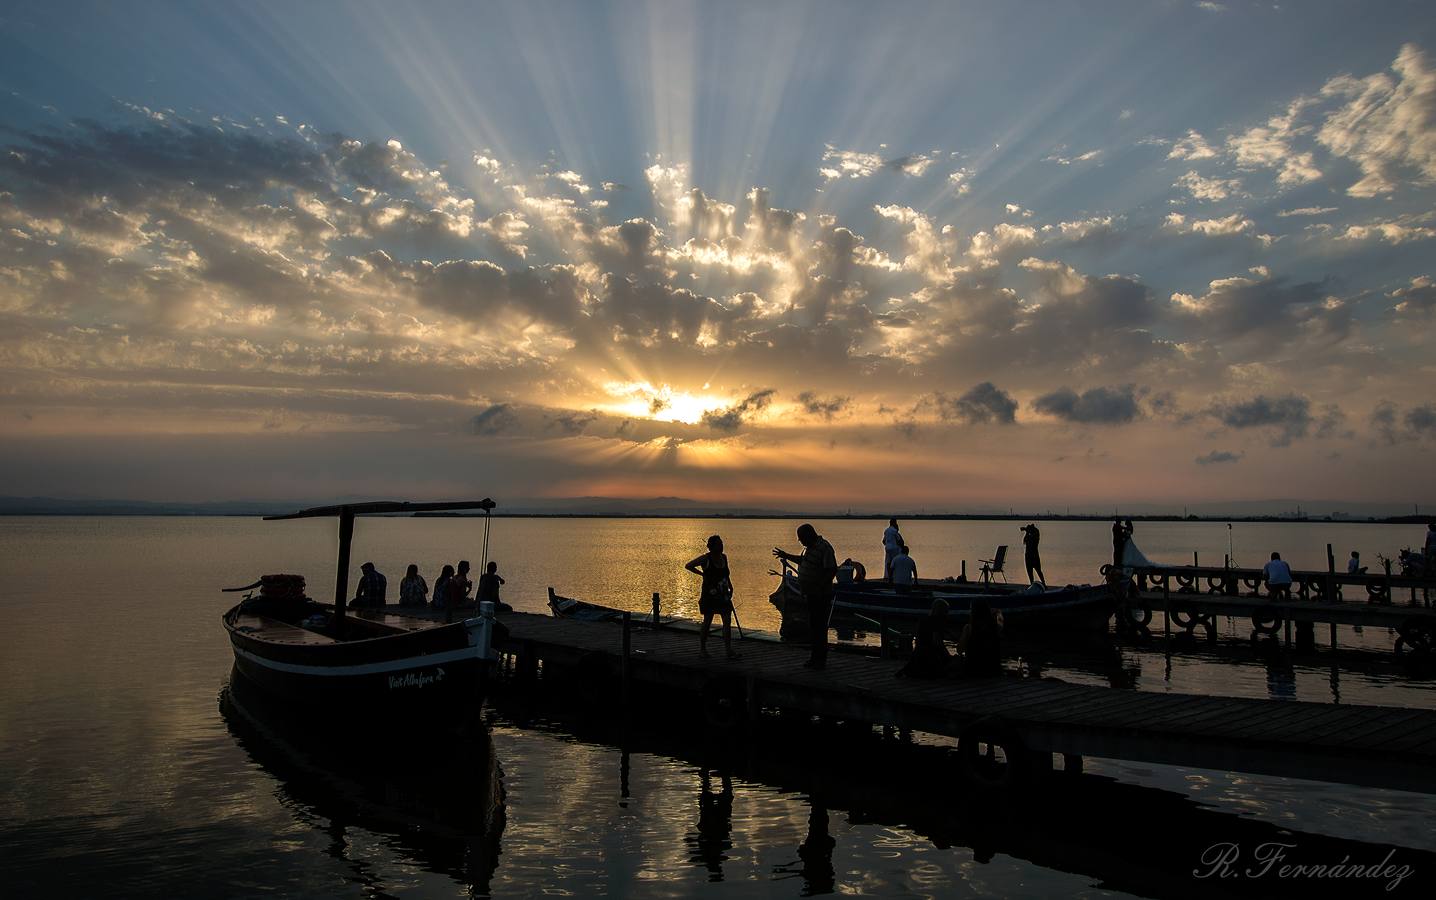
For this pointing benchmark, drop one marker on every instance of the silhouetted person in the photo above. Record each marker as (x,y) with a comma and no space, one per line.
(1030,538)
(373,587)
(1354,566)
(489,588)
(860,571)
(1431,540)
(904,570)
(716,595)
(413,589)
(892,541)
(440,598)
(816,567)
(930,658)
(1277,575)
(981,641)
(714,835)
(1119,542)
(460,586)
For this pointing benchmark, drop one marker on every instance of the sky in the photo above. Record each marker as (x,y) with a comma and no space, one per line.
(897,256)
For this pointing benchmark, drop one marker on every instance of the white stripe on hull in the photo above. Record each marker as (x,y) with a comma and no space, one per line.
(392,665)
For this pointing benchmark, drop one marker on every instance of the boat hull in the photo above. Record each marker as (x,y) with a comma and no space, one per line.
(399,675)
(864,608)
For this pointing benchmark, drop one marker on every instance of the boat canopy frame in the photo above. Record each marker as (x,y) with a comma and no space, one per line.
(346,512)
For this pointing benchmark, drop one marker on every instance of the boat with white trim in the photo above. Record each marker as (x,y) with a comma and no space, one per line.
(380,660)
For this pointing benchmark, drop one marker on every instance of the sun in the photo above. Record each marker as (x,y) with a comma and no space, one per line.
(661,403)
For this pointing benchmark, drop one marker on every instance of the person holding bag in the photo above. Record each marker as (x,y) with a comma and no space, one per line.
(716,598)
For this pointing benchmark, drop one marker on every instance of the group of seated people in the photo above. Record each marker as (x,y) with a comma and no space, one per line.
(451,589)
(979,647)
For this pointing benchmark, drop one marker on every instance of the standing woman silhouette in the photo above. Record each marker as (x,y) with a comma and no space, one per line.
(717,596)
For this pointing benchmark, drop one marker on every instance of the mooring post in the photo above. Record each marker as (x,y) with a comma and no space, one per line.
(1167,611)
(964,570)
(1330,575)
(624,668)
(655,607)
(1194,559)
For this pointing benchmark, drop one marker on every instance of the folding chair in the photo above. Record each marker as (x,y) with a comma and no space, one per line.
(991,567)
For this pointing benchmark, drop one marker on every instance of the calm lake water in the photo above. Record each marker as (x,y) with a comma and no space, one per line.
(127,769)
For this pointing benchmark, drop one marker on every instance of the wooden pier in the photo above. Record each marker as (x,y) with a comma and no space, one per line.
(1191,596)
(1030,720)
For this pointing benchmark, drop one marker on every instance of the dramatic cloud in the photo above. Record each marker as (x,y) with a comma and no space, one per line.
(1192,147)
(495,420)
(983,404)
(1390,232)
(1417,299)
(1387,125)
(1202,188)
(1096,406)
(734,417)
(1387,422)
(1271,146)
(1288,416)
(825,407)
(750,305)
(1422,420)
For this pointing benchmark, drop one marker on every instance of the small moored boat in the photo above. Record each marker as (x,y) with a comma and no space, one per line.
(378,660)
(864,604)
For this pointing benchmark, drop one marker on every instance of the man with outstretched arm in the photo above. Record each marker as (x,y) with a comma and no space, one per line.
(817,565)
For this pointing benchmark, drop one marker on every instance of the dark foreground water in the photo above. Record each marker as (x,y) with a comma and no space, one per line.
(129,766)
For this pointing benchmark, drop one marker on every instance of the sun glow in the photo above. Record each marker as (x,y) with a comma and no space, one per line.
(643,400)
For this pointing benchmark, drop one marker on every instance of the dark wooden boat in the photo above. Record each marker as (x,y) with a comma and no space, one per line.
(583,611)
(375,660)
(861,605)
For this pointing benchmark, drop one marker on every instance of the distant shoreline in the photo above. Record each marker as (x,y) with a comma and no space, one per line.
(817,517)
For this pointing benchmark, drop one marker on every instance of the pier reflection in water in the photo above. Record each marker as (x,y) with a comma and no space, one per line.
(852,810)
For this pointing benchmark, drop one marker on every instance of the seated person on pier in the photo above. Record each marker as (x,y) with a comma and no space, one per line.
(1431,541)
(904,571)
(373,587)
(489,588)
(930,658)
(1354,566)
(981,641)
(1277,575)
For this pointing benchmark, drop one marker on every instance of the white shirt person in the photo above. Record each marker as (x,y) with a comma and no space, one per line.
(892,543)
(1277,575)
(904,569)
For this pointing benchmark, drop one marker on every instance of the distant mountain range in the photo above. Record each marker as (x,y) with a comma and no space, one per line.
(682,506)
